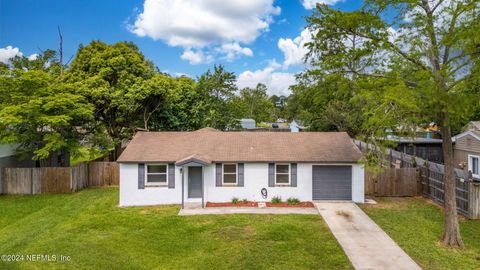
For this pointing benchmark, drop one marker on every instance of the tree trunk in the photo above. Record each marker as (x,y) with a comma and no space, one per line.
(115,153)
(451,235)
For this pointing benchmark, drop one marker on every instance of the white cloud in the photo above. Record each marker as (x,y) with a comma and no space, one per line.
(231,50)
(33,57)
(293,49)
(9,52)
(277,83)
(203,24)
(196,57)
(311,4)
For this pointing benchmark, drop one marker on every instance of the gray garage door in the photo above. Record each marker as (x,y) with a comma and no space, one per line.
(332,182)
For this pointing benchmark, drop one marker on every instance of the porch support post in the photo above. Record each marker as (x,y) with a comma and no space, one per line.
(183,187)
(203,196)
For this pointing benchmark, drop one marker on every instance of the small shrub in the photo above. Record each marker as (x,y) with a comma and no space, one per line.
(235,200)
(276,199)
(293,201)
(245,201)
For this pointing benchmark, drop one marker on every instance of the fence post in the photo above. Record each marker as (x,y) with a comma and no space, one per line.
(427,176)
(391,157)
(474,197)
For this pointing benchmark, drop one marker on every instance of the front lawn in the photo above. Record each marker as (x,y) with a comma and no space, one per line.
(96,234)
(417,226)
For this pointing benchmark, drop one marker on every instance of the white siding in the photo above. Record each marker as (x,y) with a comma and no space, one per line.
(255,178)
(131,195)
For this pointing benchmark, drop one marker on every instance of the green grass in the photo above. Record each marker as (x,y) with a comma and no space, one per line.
(90,228)
(417,226)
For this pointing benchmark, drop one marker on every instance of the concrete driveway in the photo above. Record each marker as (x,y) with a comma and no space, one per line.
(365,243)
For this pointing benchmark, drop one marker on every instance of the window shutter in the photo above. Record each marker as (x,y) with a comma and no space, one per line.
(171,175)
(141,175)
(240,175)
(218,175)
(293,174)
(271,174)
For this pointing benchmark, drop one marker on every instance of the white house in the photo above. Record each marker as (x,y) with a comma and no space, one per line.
(208,165)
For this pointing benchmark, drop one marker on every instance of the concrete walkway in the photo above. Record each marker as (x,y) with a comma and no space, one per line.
(365,243)
(252,210)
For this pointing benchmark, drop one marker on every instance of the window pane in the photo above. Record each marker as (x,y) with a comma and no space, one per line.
(157,178)
(230,168)
(156,168)
(282,168)
(474,165)
(282,178)
(229,178)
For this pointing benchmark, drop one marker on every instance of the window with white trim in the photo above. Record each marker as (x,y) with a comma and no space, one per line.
(156,174)
(230,173)
(282,174)
(473,165)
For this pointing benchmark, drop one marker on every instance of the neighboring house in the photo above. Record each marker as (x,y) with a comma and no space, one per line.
(248,123)
(8,159)
(425,148)
(215,166)
(296,127)
(466,151)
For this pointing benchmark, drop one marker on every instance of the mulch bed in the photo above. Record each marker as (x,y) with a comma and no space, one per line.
(284,204)
(229,204)
(255,204)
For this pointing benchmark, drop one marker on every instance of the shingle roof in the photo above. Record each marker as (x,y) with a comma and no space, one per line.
(219,146)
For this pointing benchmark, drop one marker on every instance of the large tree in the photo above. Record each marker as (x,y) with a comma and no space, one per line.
(325,102)
(411,58)
(109,77)
(256,103)
(217,89)
(38,113)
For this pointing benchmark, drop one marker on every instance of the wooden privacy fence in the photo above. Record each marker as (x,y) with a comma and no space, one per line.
(428,180)
(59,179)
(393,182)
(103,174)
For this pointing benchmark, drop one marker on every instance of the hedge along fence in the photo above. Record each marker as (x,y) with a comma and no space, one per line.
(59,179)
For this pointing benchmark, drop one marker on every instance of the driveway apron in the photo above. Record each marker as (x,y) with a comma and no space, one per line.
(365,243)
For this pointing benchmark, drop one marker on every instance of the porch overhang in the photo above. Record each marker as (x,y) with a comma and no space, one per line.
(193,160)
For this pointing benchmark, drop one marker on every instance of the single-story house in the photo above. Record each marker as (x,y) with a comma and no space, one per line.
(466,150)
(208,165)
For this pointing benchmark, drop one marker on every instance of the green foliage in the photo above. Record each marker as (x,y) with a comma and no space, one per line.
(326,103)
(245,200)
(393,78)
(235,200)
(255,104)
(40,114)
(293,201)
(217,90)
(111,78)
(277,199)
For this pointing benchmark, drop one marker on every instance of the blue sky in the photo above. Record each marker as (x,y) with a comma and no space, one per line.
(259,40)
